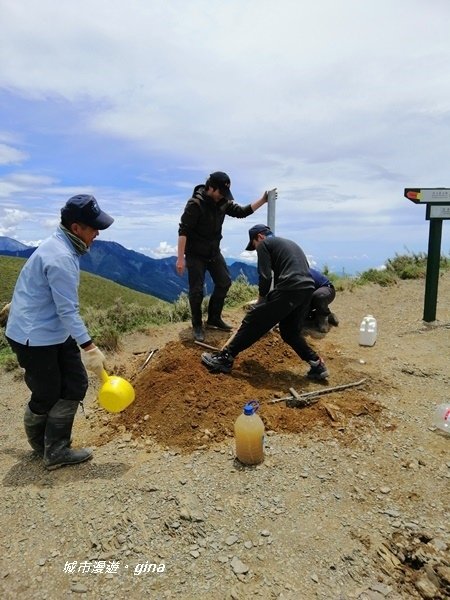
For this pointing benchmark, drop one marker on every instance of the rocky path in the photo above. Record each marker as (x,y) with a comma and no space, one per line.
(350,510)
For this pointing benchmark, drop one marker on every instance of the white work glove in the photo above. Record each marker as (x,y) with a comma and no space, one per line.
(94,360)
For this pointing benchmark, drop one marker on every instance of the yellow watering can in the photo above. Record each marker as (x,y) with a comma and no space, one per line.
(115,394)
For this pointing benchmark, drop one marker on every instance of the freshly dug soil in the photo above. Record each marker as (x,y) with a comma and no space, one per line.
(181,405)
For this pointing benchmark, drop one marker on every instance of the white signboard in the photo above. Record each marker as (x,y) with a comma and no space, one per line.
(428,195)
(440,212)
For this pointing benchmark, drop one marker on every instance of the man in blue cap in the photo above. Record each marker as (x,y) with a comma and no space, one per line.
(46,332)
(286,304)
(199,235)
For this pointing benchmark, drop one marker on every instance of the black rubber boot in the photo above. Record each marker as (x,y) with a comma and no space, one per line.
(196,311)
(215,320)
(57,437)
(198,333)
(35,429)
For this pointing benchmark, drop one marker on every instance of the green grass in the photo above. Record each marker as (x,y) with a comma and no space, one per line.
(95,291)
(9,269)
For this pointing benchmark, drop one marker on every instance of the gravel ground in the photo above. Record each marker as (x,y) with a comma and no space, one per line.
(343,510)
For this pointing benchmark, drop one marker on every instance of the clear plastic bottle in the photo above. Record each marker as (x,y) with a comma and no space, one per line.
(441,418)
(249,435)
(368,331)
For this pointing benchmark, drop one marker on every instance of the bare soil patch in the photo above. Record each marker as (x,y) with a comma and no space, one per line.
(181,405)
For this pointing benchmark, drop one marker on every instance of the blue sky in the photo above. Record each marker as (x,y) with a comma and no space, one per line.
(340,104)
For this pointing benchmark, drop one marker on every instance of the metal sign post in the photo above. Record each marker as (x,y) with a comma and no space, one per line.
(271,200)
(437,202)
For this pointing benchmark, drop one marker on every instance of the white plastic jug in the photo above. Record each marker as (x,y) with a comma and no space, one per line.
(368,331)
(441,418)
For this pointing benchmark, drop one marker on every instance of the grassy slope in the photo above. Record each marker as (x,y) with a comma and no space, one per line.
(94,291)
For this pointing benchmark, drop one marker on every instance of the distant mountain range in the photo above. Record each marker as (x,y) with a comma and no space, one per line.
(137,271)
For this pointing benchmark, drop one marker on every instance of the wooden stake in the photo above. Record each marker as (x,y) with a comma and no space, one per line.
(206,346)
(307,397)
(150,354)
(328,390)
(229,340)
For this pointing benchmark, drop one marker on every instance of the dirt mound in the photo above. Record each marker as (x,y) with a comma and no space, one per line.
(181,405)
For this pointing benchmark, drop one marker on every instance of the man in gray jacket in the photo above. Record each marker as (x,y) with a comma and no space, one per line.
(286,304)
(46,332)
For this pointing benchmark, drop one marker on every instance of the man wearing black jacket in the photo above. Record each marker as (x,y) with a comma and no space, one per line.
(286,304)
(199,235)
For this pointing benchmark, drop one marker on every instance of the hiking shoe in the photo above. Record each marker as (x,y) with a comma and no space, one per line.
(218,362)
(197,331)
(333,320)
(318,370)
(218,324)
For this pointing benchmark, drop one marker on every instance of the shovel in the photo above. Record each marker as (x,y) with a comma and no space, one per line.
(115,394)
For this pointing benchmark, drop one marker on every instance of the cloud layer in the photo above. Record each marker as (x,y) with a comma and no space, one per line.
(339,104)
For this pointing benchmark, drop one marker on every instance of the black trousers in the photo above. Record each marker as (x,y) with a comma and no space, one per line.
(197,268)
(52,373)
(289,310)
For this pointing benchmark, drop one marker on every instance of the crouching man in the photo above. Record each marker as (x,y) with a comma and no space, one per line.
(323,295)
(46,332)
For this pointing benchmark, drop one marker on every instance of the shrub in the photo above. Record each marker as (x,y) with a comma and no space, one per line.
(414,266)
(241,292)
(181,310)
(384,278)
(408,266)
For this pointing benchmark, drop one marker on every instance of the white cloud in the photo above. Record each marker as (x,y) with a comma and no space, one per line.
(11,156)
(10,219)
(25,185)
(250,257)
(338,104)
(164,250)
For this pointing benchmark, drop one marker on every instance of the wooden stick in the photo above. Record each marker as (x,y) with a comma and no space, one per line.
(150,354)
(296,396)
(232,336)
(328,390)
(206,346)
(283,399)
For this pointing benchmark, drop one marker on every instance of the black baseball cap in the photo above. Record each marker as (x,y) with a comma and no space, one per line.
(220,180)
(84,208)
(253,232)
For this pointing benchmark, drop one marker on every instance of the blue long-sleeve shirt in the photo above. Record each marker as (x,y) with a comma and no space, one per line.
(319,278)
(44,308)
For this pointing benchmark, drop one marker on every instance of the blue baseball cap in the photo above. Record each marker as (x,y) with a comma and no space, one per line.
(253,232)
(84,208)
